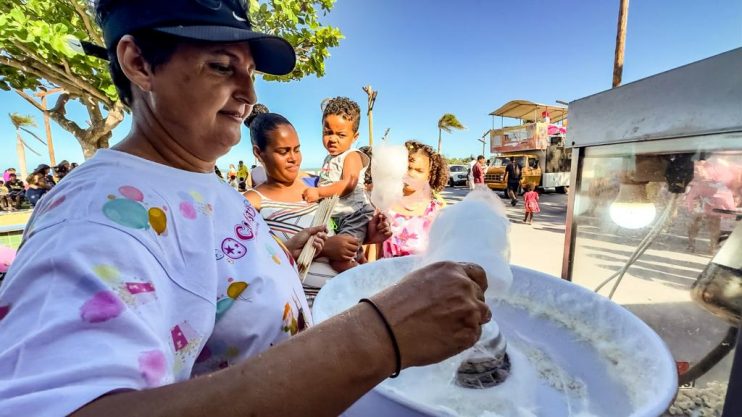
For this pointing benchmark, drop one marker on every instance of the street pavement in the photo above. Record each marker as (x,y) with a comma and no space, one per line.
(538,246)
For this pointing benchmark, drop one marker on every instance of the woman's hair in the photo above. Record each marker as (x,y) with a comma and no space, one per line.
(438,167)
(261,124)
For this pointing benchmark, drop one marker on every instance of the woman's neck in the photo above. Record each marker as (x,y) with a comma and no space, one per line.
(149,140)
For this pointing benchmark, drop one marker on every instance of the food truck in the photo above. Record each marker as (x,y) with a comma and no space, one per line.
(538,145)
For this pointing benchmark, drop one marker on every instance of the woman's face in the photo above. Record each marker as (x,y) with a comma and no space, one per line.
(418,171)
(282,154)
(200,97)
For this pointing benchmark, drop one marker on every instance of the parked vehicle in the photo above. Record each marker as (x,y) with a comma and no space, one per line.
(538,146)
(457,175)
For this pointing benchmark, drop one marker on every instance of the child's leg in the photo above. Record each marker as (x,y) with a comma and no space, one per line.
(356,225)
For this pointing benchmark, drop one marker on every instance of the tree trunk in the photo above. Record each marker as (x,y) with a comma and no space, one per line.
(21,150)
(439,141)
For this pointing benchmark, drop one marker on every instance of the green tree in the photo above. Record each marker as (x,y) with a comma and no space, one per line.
(21,122)
(447,123)
(35,53)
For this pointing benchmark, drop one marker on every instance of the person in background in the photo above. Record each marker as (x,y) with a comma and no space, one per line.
(62,169)
(37,187)
(243,173)
(45,171)
(477,171)
(427,174)
(512,176)
(470,174)
(530,202)
(342,174)
(73,166)
(258,176)
(231,172)
(5,203)
(17,191)
(6,174)
(233,181)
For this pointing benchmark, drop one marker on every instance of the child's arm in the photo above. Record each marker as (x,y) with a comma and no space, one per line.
(351,169)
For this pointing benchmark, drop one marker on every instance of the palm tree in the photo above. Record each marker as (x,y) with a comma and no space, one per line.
(447,123)
(21,122)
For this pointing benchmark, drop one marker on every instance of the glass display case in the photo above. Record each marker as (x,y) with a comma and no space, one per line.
(655,214)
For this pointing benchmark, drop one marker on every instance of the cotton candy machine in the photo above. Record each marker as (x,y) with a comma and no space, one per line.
(572,353)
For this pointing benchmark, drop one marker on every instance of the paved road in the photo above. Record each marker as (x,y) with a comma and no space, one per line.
(538,246)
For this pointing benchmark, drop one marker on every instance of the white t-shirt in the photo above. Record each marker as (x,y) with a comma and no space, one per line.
(134,275)
(258,175)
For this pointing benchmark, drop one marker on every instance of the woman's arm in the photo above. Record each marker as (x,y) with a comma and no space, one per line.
(434,312)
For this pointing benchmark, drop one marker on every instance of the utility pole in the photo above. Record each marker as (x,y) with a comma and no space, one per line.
(42,94)
(371,100)
(484,142)
(623,14)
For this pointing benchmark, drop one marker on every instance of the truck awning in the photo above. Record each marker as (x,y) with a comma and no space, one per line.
(529,111)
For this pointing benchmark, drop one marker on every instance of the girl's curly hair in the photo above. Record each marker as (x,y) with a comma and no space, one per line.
(438,166)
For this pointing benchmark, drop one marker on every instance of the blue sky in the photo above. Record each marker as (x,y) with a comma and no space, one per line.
(429,57)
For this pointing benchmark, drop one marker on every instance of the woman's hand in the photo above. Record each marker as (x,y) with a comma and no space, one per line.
(379,229)
(341,248)
(311,195)
(318,234)
(436,311)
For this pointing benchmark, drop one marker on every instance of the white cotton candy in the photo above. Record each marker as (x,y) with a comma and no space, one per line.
(475,230)
(388,168)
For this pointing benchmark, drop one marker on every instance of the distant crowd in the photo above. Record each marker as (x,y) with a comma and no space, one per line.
(16,194)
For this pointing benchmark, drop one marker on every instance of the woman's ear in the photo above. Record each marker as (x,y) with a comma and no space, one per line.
(256,152)
(132,63)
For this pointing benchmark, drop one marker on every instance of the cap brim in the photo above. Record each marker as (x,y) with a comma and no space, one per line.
(272,54)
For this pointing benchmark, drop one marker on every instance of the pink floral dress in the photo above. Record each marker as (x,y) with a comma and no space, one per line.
(409,233)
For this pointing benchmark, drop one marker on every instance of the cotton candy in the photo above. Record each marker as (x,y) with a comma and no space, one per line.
(475,230)
(388,168)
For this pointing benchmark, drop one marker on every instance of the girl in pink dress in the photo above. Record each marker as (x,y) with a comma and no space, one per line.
(530,199)
(410,219)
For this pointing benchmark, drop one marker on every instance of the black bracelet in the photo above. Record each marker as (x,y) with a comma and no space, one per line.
(391,335)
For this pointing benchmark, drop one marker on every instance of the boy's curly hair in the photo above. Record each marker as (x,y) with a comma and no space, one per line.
(438,166)
(343,106)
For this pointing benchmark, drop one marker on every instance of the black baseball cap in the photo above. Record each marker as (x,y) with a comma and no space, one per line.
(202,20)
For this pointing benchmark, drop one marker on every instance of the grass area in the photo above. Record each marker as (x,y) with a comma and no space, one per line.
(11,227)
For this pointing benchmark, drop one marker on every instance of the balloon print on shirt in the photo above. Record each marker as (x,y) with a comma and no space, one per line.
(235,291)
(4,310)
(131,211)
(216,355)
(294,323)
(152,367)
(192,203)
(103,306)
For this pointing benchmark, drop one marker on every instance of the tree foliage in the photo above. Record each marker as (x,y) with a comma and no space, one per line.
(35,56)
(447,123)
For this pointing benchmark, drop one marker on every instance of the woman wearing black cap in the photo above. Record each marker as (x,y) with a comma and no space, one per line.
(154,271)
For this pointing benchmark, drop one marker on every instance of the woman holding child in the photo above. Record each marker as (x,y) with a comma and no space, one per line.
(280,199)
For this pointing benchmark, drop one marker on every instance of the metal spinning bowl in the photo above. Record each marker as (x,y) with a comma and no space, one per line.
(607,388)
